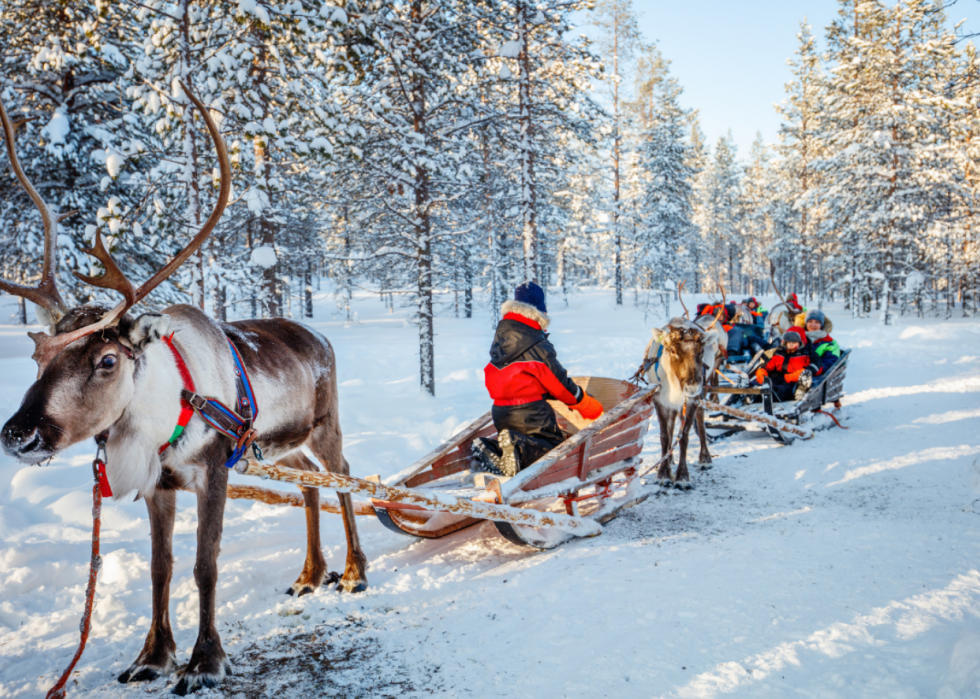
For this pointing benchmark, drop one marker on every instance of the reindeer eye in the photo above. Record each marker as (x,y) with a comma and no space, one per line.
(108,362)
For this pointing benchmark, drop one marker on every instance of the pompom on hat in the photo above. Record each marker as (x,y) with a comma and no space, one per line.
(531,294)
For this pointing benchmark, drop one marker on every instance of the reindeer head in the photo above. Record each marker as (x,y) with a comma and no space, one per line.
(88,363)
(683,359)
(85,388)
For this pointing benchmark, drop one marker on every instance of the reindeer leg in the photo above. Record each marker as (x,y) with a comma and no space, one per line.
(327,446)
(683,479)
(355,578)
(209,663)
(314,572)
(666,419)
(159,655)
(704,458)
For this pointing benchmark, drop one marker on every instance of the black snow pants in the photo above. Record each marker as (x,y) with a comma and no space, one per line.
(534,429)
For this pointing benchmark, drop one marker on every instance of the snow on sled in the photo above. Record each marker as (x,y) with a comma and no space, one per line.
(591,476)
(783,420)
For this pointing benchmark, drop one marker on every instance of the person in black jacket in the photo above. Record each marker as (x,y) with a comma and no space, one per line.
(523,373)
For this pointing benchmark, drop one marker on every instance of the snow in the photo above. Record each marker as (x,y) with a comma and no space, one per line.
(510,49)
(842,567)
(58,128)
(113,164)
(264,256)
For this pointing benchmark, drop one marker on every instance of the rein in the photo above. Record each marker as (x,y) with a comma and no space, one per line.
(100,489)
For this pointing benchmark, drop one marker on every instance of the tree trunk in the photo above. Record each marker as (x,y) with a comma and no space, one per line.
(423,229)
(268,228)
(529,212)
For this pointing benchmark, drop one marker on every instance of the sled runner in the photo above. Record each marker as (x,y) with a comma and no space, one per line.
(592,475)
(783,420)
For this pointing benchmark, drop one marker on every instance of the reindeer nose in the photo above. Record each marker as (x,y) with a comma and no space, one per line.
(17,441)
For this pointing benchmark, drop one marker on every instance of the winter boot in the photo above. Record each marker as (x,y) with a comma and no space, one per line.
(510,461)
(803,385)
(486,457)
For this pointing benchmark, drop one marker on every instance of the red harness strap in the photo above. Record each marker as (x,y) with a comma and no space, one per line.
(186,411)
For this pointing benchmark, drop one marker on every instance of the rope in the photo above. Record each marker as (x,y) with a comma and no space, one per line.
(59,691)
(832,417)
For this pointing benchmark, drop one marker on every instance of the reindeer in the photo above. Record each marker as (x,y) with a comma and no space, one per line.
(688,351)
(105,372)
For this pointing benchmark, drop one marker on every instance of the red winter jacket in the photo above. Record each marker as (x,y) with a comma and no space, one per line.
(783,363)
(524,366)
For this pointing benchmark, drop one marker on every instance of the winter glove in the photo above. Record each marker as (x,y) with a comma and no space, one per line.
(793,377)
(760,375)
(588,407)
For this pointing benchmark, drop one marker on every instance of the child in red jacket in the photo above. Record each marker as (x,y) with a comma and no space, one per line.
(792,367)
(523,373)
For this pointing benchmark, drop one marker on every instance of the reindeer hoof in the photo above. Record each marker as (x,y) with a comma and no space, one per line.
(192,681)
(683,485)
(142,671)
(305,585)
(298,590)
(706,465)
(665,482)
(353,586)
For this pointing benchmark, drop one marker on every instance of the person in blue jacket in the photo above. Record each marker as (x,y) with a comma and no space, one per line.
(824,346)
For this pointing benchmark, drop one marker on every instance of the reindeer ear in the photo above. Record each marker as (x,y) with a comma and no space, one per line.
(149,327)
(658,335)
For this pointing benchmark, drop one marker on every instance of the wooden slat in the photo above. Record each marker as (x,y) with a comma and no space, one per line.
(625,424)
(570,468)
(618,440)
(735,389)
(583,457)
(460,462)
(574,442)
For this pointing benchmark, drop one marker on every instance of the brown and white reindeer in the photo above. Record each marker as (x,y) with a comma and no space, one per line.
(105,371)
(679,358)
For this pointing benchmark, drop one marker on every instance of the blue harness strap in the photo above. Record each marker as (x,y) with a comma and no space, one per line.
(233,424)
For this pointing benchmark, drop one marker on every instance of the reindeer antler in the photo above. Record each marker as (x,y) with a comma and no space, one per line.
(772,278)
(45,294)
(720,310)
(680,290)
(113,278)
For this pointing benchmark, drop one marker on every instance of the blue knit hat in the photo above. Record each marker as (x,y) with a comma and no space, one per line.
(531,294)
(814,314)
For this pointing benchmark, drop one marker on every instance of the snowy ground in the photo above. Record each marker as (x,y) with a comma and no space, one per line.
(845,566)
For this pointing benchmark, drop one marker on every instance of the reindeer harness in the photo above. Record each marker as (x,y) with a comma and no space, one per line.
(219,417)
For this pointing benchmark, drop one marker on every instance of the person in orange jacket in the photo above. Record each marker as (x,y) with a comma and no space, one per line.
(522,375)
(791,368)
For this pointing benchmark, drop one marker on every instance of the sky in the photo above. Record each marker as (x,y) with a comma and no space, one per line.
(730,55)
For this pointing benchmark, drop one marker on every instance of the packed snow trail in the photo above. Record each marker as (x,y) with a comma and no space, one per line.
(843,566)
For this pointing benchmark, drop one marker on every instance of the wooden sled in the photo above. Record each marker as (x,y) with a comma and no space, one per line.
(593,474)
(785,421)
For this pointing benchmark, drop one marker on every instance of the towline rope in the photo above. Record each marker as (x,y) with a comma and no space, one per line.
(58,691)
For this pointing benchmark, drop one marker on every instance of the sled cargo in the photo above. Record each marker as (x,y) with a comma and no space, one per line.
(781,419)
(592,475)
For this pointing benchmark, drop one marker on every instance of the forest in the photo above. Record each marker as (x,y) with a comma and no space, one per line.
(435,153)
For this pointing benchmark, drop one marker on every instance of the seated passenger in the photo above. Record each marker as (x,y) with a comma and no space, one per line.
(791,368)
(736,338)
(522,375)
(794,304)
(824,346)
(758,312)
